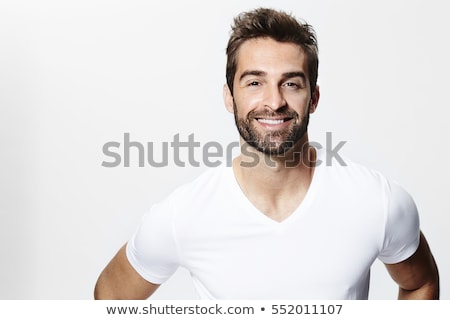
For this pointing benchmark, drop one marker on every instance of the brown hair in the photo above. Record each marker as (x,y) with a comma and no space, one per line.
(278,25)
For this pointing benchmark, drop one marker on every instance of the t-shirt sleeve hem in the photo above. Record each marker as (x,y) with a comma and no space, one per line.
(140,269)
(407,253)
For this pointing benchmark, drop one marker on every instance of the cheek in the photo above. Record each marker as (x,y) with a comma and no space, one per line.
(246,103)
(299,103)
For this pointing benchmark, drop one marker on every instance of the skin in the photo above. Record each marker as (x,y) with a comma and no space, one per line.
(272,78)
(120,281)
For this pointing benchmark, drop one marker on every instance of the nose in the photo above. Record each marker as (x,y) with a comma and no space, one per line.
(273,98)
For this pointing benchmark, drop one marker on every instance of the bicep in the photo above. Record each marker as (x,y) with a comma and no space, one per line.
(418,271)
(119,280)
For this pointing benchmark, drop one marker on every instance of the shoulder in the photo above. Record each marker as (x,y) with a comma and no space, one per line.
(190,197)
(186,198)
(368,184)
(202,186)
(364,176)
(350,174)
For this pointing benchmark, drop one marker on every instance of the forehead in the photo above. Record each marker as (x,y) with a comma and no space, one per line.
(271,56)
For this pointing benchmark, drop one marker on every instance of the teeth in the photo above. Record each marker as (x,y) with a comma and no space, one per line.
(271,121)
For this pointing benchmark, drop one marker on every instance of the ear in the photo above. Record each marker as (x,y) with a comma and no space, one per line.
(314,100)
(228,98)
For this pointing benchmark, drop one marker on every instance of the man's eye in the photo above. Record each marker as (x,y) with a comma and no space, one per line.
(253,83)
(292,84)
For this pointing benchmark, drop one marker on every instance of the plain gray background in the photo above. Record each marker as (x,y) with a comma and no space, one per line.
(75,75)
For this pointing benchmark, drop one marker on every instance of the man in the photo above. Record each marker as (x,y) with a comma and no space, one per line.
(278,224)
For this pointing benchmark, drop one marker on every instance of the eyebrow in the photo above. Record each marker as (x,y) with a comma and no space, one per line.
(252,73)
(286,75)
(294,74)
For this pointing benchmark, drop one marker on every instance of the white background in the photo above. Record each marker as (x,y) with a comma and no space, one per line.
(75,75)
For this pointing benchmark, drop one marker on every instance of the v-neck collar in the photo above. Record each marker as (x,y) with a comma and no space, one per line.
(250,208)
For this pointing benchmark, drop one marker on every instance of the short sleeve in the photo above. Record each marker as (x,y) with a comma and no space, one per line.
(152,250)
(402,229)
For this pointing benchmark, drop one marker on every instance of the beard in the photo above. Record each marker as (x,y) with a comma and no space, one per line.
(275,142)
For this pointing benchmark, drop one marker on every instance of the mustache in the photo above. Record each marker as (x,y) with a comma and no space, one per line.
(273,114)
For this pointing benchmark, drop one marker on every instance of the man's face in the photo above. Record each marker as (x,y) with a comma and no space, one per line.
(271,95)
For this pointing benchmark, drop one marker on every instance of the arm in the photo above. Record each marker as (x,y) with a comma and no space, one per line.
(119,280)
(417,276)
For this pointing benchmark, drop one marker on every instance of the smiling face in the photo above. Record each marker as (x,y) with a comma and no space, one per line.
(271,98)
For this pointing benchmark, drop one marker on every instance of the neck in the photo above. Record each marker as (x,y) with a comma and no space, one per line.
(276,184)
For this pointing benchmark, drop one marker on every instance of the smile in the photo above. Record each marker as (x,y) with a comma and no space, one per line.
(272,121)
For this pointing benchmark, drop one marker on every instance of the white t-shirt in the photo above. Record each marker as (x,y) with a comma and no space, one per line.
(349,217)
